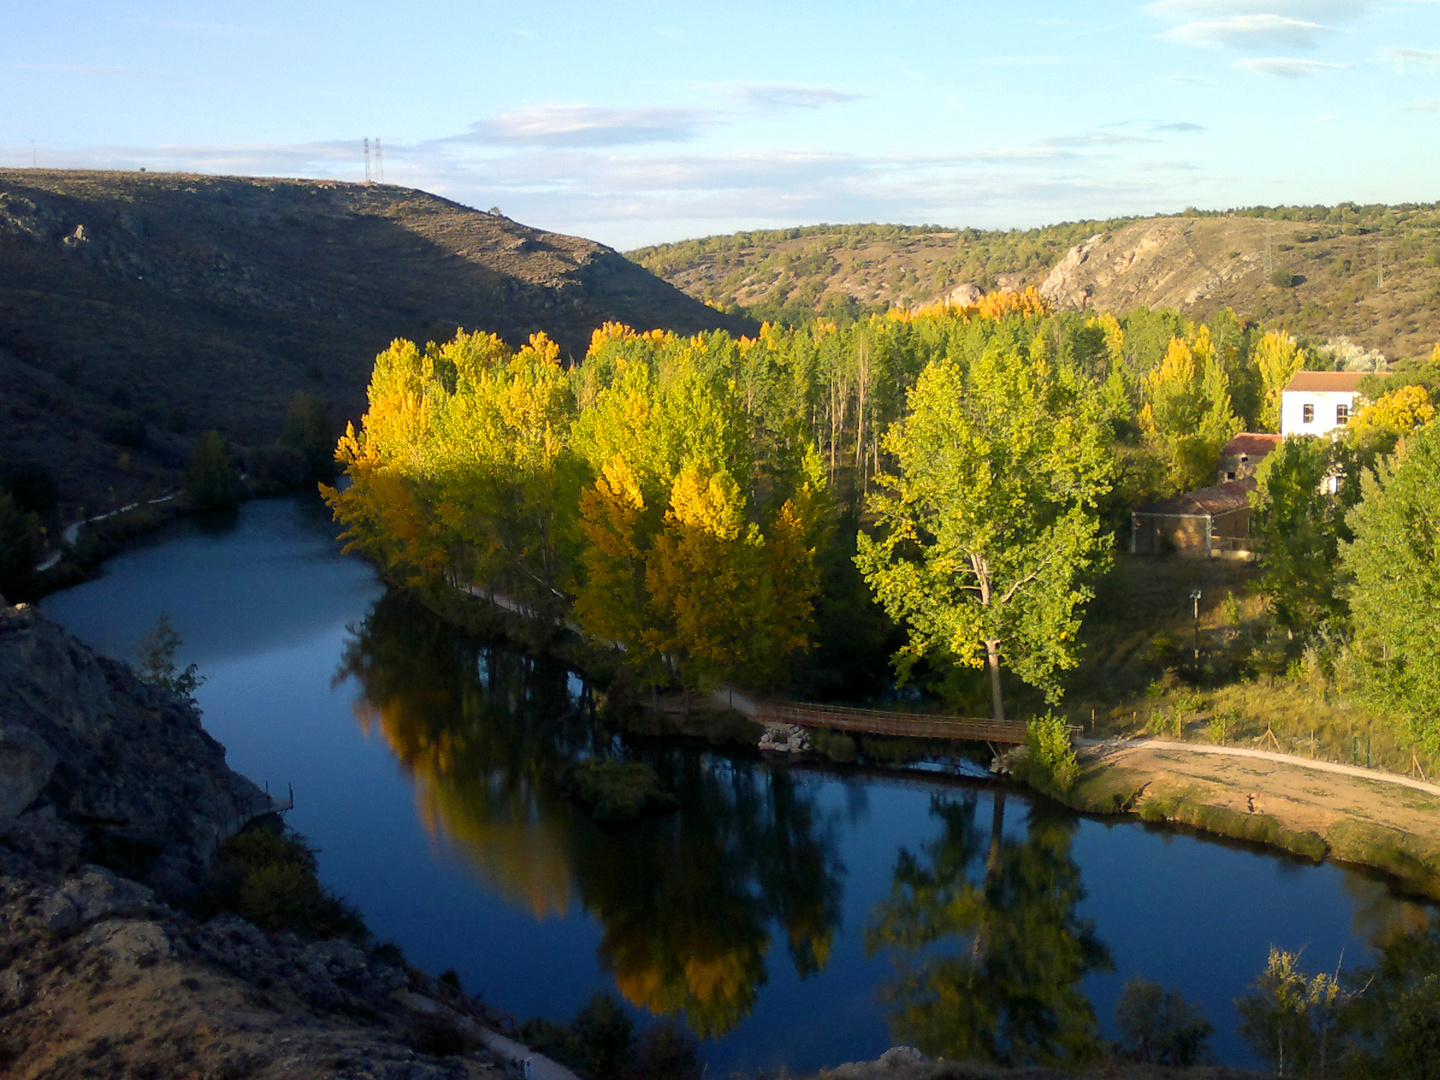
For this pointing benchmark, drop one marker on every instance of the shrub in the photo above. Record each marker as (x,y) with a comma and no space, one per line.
(308,432)
(266,874)
(438,1036)
(1282,279)
(603,1031)
(1048,751)
(1158,1027)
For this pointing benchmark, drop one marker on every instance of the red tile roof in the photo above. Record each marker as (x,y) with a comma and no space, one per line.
(1337,382)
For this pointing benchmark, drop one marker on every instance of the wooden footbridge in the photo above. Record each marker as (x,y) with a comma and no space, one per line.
(879,722)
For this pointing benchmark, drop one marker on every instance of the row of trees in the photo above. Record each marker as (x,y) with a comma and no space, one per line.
(696,501)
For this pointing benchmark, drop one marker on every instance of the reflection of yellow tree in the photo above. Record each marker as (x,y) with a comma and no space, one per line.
(685,902)
(1008,988)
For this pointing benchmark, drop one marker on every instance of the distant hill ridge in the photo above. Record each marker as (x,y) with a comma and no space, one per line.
(199,301)
(1371,273)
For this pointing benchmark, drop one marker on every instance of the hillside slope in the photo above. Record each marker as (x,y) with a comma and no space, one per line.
(199,302)
(1197,263)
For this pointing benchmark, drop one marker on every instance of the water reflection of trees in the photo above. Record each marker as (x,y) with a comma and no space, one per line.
(988,949)
(686,901)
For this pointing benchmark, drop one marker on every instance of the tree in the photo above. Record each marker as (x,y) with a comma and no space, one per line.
(156,653)
(308,432)
(1278,358)
(1187,415)
(1301,524)
(1394,562)
(988,532)
(21,546)
(1158,1027)
(1274,1016)
(211,477)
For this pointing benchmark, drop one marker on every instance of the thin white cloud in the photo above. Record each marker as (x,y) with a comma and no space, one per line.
(1251,32)
(1098,140)
(772,97)
(587,125)
(1183,127)
(1286,67)
(87,70)
(1424,105)
(1403,57)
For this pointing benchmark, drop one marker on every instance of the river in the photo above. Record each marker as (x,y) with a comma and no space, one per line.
(789,916)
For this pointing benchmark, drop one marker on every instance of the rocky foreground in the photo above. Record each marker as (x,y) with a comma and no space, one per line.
(112,800)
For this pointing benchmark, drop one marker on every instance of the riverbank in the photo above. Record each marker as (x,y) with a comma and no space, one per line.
(1313,809)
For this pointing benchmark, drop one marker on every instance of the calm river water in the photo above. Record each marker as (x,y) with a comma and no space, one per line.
(791,916)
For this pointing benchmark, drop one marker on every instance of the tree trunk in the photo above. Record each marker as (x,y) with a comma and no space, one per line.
(997,697)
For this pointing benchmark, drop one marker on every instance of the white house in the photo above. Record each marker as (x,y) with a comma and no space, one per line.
(1318,402)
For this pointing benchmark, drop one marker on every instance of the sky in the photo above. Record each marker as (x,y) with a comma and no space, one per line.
(654,120)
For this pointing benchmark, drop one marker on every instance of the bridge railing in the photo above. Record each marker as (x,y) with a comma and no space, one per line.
(879,722)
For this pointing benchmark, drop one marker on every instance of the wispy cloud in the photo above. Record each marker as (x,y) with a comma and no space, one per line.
(587,126)
(772,97)
(1251,32)
(1403,57)
(1286,67)
(1183,126)
(1424,105)
(1098,139)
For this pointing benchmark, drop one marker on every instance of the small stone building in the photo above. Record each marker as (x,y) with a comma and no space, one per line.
(1241,456)
(1209,522)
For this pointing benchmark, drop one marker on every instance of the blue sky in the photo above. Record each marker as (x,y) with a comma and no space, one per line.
(655,120)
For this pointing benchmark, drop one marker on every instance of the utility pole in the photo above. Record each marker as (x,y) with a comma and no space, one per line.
(1269,250)
(379,163)
(1379,267)
(367,160)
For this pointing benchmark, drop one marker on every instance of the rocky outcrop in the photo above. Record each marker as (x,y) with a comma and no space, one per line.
(785,739)
(111,799)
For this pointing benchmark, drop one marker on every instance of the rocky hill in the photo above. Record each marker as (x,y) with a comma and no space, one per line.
(1371,273)
(196,302)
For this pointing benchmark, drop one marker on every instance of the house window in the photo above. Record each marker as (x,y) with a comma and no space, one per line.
(1342,413)
(1307,414)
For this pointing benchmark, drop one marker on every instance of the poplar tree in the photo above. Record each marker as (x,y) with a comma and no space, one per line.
(988,531)
(1394,561)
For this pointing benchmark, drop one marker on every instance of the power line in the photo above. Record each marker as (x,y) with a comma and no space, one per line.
(379,162)
(367,159)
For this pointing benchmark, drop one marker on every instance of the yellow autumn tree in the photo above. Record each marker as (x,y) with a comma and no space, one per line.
(1278,357)
(1187,416)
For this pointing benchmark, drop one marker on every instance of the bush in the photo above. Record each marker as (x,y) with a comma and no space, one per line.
(211,478)
(308,432)
(266,875)
(275,466)
(127,429)
(1158,1027)
(1282,279)
(438,1036)
(1048,751)
(603,1031)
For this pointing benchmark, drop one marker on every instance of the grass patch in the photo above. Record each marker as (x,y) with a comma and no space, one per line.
(1387,849)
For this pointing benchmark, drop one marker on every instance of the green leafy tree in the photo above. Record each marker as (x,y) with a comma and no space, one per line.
(1391,1017)
(21,546)
(1301,525)
(156,653)
(1394,562)
(308,432)
(988,532)
(1275,1015)
(211,476)
(1159,1027)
